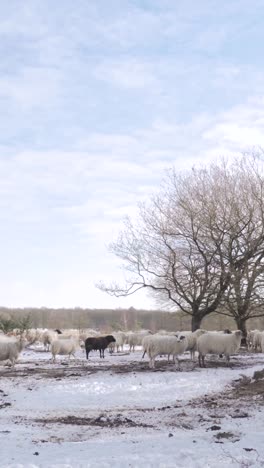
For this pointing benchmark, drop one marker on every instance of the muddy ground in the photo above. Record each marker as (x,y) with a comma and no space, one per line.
(239,401)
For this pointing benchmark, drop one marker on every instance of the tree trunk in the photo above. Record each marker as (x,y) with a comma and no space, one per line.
(241,325)
(196,322)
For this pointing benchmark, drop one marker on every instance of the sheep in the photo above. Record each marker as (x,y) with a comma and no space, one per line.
(262,343)
(10,348)
(32,335)
(67,334)
(192,338)
(70,333)
(218,343)
(135,339)
(65,347)
(98,343)
(47,337)
(164,332)
(257,340)
(119,343)
(147,339)
(89,332)
(159,344)
(250,338)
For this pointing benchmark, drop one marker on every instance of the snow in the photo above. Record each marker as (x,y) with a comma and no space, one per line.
(168,430)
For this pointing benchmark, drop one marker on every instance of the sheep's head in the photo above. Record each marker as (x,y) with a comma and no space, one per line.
(110,339)
(239,333)
(181,338)
(23,342)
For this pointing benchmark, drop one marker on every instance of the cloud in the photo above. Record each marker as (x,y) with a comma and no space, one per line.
(31,88)
(127,73)
(97,100)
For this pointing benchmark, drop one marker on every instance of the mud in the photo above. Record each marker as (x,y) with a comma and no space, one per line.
(100,421)
(63,369)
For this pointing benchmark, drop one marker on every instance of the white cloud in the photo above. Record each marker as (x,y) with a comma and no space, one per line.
(128,74)
(31,88)
(96,101)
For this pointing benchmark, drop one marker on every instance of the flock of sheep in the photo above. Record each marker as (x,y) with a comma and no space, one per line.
(162,343)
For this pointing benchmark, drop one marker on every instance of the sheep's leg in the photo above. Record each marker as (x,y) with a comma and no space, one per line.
(178,362)
(143,355)
(199,360)
(228,359)
(152,363)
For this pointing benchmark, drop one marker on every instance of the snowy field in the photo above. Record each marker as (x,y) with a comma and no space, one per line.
(117,412)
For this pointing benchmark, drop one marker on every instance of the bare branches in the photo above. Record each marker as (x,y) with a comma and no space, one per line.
(200,241)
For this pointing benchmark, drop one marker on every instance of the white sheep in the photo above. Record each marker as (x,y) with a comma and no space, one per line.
(147,339)
(66,347)
(250,338)
(47,337)
(70,333)
(120,338)
(257,337)
(87,333)
(156,345)
(218,343)
(31,335)
(262,343)
(10,348)
(192,338)
(135,338)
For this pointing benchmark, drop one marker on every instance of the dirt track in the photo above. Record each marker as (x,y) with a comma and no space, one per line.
(63,369)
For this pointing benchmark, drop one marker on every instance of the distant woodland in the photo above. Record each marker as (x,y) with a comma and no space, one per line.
(107,320)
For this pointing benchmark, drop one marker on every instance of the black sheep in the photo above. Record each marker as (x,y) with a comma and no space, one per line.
(98,342)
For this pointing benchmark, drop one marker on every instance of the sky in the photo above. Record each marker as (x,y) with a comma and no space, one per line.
(97,99)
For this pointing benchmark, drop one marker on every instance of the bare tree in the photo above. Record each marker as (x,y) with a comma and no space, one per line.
(244,296)
(187,241)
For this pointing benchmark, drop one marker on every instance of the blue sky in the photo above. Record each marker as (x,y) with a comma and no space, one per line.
(97,99)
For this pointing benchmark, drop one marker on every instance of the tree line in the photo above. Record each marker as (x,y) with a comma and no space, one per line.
(110,320)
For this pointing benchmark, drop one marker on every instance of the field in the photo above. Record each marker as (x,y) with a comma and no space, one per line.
(117,412)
